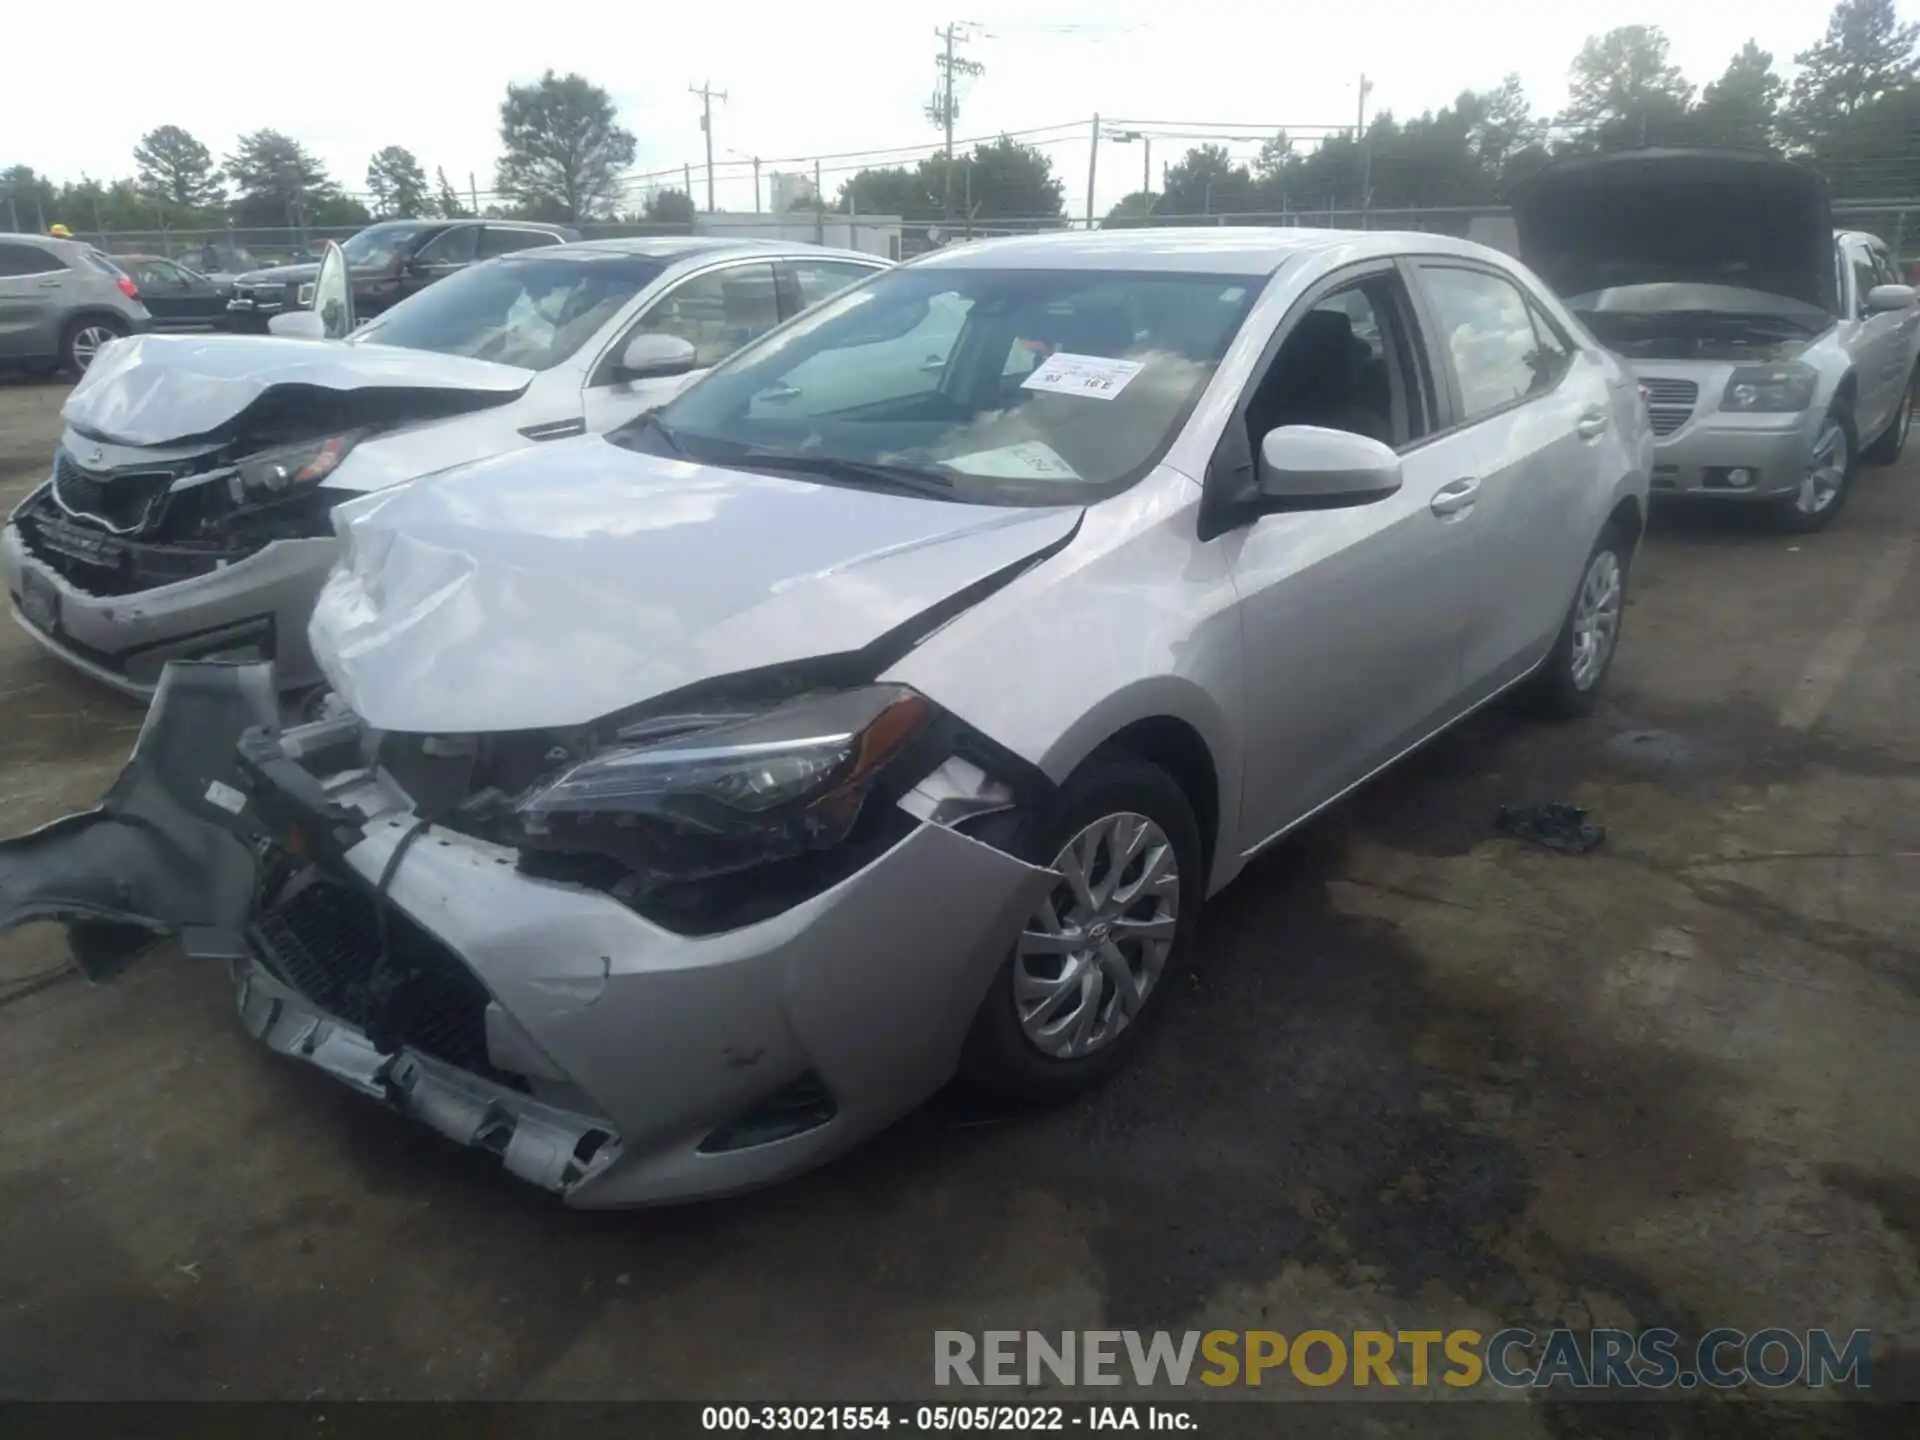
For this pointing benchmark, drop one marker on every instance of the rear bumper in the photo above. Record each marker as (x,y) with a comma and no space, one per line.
(1697,462)
(254,608)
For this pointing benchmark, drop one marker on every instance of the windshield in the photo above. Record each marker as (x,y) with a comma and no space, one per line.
(378,246)
(1008,386)
(533,311)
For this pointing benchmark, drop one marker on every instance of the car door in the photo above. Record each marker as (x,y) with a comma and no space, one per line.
(171,295)
(1876,342)
(1535,415)
(33,287)
(1351,620)
(716,310)
(1903,335)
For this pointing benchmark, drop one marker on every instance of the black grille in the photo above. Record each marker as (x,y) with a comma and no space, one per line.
(324,940)
(129,501)
(1669,403)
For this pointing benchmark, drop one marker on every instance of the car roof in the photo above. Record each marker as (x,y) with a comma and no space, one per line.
(1197,249)
(51,242)
(671,249)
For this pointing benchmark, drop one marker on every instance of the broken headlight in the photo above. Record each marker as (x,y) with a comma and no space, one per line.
(722,797)
(1770,389)
(273,473)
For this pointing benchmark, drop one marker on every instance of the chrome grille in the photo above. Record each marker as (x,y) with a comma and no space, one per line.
(125,502)
(1669,402)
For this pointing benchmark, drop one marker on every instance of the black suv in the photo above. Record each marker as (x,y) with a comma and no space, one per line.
(388,262)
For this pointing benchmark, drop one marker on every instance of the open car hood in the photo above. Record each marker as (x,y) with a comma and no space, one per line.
(554,586)
(163,389)
(1718,217)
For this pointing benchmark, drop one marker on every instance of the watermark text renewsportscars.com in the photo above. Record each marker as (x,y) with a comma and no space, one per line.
(1513,1359)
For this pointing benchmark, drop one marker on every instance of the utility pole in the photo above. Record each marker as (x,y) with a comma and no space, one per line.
(756,184)
(819,208)
(943,108)
(1366,153)
(686,182)
(473,192)
(707,95)
(1093,165)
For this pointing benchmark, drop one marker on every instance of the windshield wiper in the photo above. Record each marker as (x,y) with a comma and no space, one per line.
(907,479)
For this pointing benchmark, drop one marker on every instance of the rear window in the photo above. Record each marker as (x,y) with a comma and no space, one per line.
(101,262)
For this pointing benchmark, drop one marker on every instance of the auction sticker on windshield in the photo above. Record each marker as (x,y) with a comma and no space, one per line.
(1094,376)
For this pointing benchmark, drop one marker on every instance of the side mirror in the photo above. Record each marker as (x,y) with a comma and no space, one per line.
(652,355)
(1882,298)
(297,325)
(1304,467)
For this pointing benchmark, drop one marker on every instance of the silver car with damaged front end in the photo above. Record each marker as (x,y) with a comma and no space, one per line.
(691,802)
(187,512)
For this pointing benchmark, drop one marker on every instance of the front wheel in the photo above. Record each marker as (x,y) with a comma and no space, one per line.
(1829,479)
(1567,684)
(1094,962)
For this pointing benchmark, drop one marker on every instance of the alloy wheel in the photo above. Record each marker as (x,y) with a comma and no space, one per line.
(1092,953)
(1596,619)
(87,342)
(1827,473)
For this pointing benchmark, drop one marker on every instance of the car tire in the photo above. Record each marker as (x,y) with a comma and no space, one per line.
(1024,1046)
(1816,505)
(83,339)
(1568,683)
(1886,449)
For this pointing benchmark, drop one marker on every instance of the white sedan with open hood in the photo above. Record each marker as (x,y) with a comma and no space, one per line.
(692,801)
(1776,352)
(187,515)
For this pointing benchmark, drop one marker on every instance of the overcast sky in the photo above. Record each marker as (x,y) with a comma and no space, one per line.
(800,81)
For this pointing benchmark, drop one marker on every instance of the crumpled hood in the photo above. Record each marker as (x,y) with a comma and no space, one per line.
(1726,217)
(160,389)
(555,586)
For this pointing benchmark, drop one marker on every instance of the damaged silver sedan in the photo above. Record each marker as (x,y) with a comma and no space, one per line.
(692,801)
(187,512)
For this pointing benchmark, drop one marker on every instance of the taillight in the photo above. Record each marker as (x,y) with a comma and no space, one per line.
(128,288)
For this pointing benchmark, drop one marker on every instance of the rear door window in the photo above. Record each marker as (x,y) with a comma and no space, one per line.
(451,247)
(19,260)
(494,240)
(1488,329)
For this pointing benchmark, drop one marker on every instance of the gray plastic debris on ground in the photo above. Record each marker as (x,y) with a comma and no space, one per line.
(161,855)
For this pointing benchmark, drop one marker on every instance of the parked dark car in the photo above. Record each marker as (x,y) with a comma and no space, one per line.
(177,296)
(388,262)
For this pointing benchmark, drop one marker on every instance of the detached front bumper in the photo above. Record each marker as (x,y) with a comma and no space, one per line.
(1702,460)
(255,608)
(597,1053)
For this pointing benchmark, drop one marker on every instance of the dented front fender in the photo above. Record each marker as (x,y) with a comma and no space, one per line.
(165,853)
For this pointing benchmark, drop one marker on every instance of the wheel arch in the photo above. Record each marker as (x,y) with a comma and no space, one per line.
(1177,727)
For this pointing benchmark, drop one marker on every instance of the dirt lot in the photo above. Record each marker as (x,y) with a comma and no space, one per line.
(1423,1077)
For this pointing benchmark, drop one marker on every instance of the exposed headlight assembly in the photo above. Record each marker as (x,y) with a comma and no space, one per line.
(1770,389)
(273,473)
(728,796)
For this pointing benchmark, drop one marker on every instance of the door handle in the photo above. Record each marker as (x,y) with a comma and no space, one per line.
(1592,425)
(1452,498)
(49,284)
(779,392)
(933,362)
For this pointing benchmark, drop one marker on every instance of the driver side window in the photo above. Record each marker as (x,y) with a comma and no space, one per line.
(716,312)
(1345,365)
